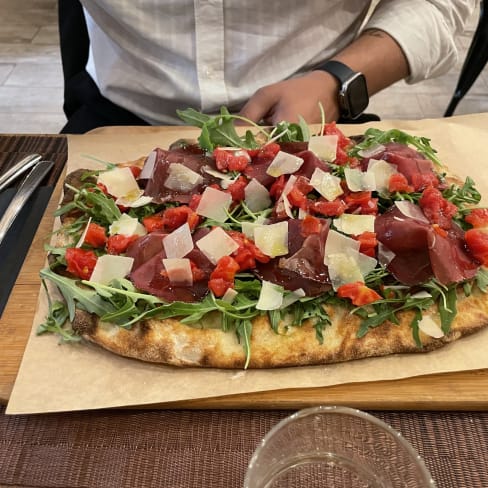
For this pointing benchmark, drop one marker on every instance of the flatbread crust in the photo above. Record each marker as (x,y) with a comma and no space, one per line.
(171,342)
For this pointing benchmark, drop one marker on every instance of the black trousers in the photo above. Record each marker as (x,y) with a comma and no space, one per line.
(85,107)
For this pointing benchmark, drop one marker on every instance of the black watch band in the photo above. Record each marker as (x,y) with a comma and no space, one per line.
(353,91)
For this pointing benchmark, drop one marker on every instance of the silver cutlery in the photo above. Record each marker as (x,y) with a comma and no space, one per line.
(18,169)
(28,185)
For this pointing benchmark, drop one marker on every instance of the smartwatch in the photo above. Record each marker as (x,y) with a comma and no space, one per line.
(353,91)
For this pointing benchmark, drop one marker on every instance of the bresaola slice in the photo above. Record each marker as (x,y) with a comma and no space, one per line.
(422,253)
(157,171)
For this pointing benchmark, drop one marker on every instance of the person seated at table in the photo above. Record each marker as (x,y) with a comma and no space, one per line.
(269,60)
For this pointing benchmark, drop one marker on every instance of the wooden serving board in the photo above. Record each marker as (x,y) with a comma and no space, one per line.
(450,391)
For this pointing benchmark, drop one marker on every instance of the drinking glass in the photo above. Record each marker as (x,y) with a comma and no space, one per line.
(333,446)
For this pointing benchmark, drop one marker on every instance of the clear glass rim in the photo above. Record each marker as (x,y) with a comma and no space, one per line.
(352,412)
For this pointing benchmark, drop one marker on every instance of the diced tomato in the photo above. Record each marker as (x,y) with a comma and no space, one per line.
(277,187)
(80,262)
(436,208)
(331,129)
(311,225)
(154,222)
(478,217)
(95,235)
(222,277)
(236,189)
(420,181)
(362,201)
(329,209)
(477,242)
(398,182)
(195,201)
(231,160)
(297,198)
(265,153)
(119,243)
(248,253)
(136,171)
(171,218)
(197,273)
(358,292)
(367,243)
(103,188)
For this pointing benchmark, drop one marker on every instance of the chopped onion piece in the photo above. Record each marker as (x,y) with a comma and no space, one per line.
(179,243)
(256,196)
(355,224)
(270,297)
(385,256)
(179,271)
(81,240)
(148,168)
(230,295)
(127,226)
(325,147)
(292,297)
(181,178)
(216,244)
(110,267)
(411,210)
(284,163)
(272,239)
(214,204)
(328,185)
(371,151)
(428,326)
(119,182)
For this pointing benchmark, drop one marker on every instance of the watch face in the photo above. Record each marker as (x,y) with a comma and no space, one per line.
(354,94)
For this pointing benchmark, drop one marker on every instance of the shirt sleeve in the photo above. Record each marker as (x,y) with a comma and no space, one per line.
(425,30)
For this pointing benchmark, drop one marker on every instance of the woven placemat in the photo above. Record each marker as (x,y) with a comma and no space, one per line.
(177,449)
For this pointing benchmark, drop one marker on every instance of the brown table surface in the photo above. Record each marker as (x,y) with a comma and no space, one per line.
(209,448)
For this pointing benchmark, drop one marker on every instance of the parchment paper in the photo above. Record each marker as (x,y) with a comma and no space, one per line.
(55,377)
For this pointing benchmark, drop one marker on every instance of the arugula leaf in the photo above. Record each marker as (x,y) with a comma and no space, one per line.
(482,279)
(373,137)
(244,330)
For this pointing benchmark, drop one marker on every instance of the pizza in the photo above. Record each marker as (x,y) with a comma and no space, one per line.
(279,247)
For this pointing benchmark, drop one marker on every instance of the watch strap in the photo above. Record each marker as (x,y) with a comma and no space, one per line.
(337,69)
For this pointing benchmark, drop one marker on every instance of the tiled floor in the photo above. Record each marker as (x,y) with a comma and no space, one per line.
(31,77)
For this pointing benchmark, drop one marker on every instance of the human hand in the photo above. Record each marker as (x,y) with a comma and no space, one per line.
(287,100)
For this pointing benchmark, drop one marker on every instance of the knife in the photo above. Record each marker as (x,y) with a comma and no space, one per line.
(30,183)
(18,169)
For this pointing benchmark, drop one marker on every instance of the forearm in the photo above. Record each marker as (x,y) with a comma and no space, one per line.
(378,57)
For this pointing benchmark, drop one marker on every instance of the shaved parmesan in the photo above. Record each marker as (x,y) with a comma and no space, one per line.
(270,297)
(181,178)
(385,256)
(343,269)
(230,295)
(217,244)
(272,239)
(325,147)
(119,182)
(127,226)
(354,224)
(110,267)
(381,172)
(366,263)
(226,179)
(134,199)
(179,271)
(248,227)
(328,185)
(81,240)
(284,163)
(337,243)
(179,243)
(354,179)
(256,196)
(371,151)
(148,167)
(428,326)
(214,204)
(292,297)
(411,210)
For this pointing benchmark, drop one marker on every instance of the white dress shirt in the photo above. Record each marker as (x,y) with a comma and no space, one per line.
(155,56)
